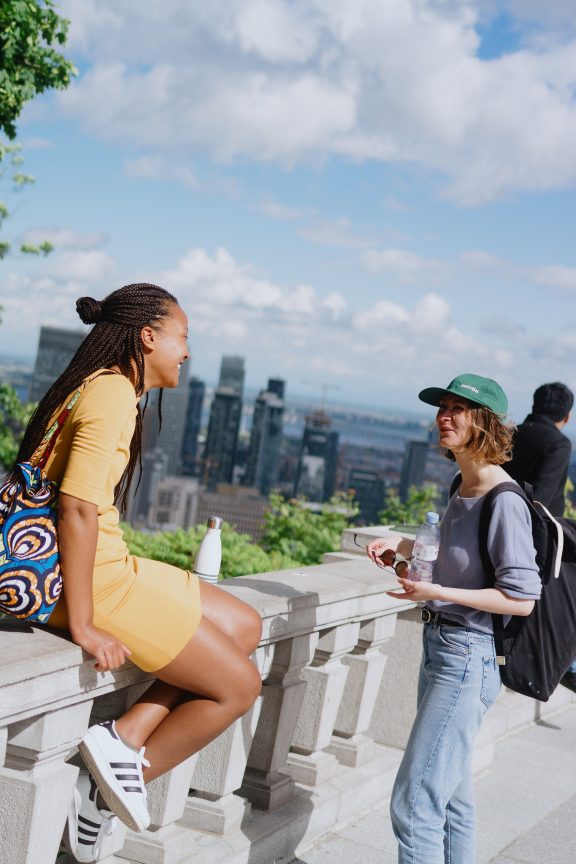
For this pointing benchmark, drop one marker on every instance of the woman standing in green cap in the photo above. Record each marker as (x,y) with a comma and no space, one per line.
(432,803)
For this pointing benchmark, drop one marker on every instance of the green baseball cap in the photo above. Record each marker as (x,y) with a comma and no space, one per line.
(475,388)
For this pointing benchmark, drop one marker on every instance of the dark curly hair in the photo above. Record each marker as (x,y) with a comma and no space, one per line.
(114,340)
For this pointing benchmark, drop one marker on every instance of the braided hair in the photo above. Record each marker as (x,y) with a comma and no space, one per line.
(114,340)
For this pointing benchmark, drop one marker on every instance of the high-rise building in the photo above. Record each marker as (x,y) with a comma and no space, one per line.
(369,493)
(413,466)
(175,504)
(316,473)
(243,508)
(224,423)
(189,455)
(143,487)
(169,438)
(56,347)
(222,437)
(232,373)
(266,437)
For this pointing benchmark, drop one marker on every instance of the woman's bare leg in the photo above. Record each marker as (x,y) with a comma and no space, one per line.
(202,691)
(233,617)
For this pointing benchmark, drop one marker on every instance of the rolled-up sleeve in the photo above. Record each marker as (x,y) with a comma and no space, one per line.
(511,548)
(104,411)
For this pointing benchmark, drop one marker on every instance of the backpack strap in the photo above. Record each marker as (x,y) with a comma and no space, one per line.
(455,485)
(524,491)
(51,436)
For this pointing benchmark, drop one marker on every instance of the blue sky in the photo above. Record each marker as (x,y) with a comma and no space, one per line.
(377,194)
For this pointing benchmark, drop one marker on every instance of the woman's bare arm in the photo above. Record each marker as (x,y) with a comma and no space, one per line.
(77,537)
(491,600)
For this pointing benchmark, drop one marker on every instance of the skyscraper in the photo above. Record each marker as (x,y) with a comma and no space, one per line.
(369,493)
(316,473)
(196,391)
(413,466)
(224,423)
(168,439)
(266,437)
(222,437)
(232,373)
(56,347)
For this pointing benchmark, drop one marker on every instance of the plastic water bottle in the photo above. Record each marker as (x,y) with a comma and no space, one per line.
(425,549)
(209,554)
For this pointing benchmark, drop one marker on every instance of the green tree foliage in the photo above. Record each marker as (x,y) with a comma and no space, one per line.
(569,506)
(14,417)
(240,555)
(30,34)
(11,169)
(303,535)
(412,511)
(293,537)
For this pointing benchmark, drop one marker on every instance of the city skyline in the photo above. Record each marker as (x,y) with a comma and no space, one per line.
(375,197)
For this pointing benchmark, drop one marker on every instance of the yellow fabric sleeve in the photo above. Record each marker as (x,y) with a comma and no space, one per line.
(105,409)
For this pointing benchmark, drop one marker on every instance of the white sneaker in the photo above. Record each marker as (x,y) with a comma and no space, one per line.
(87,826)
(117,770)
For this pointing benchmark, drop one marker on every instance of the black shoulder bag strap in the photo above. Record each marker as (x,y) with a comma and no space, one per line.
(525,492)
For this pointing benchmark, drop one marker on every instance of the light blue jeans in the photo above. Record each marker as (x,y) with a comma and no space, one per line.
(432,803)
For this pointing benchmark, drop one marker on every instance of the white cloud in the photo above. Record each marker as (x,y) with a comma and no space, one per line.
(405,265)
(279,211)
(383,351)
(158,168)
(337,232)
(89,266)
(553,276)
(548,276)
(272,80)
(64,238)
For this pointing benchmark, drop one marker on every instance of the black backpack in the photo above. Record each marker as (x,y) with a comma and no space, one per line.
(534,651)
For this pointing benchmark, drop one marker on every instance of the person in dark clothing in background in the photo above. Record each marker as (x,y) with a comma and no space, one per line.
(540,456)
(541,453)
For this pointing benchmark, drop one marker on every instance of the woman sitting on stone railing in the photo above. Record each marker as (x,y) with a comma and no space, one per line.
(194,638)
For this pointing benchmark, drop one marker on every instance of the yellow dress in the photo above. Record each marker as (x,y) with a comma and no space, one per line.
(154,608)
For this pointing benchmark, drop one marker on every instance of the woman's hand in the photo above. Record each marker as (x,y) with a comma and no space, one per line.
(109,652)
(417,591)
(402,545)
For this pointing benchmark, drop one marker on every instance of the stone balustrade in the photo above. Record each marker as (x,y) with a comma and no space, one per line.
(338,660)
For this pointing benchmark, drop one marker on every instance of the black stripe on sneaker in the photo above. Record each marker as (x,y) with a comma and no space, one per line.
(131,765)
(132,789)
(109,725)
(93,790)
(87,822)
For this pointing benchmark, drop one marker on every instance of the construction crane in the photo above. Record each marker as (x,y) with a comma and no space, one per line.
(324,388)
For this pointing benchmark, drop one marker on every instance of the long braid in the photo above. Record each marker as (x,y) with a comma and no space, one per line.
(113,341)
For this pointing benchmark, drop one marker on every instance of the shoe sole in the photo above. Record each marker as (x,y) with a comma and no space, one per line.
(115,803)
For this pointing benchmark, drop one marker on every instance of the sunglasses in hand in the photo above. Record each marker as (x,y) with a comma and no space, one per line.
(391,558)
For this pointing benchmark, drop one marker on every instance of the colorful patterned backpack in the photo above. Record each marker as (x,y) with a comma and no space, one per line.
(30,578)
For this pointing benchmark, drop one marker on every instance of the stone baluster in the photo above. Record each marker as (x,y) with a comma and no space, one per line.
(165,842)
(36,784)
(366,666)
(266,785)
(326,678)
(213,806)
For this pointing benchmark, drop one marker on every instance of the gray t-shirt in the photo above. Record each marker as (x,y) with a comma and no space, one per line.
(511,550)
